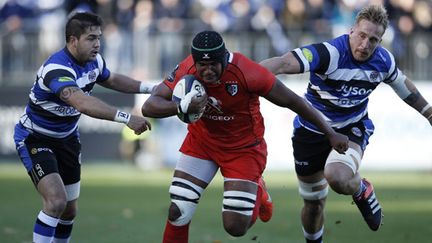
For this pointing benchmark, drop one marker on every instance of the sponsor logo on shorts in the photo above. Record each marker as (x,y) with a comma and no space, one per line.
(302,163)
(38,150)
(39,170)
(356,131)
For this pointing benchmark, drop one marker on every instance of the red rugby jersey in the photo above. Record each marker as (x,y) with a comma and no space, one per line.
(233,119)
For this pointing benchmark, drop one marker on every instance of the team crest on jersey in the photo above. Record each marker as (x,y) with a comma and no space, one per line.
(232,89)
(356,131)
(374,75)
(92,76)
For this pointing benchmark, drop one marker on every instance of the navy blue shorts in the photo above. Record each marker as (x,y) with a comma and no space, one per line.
(311,149)
(42,155)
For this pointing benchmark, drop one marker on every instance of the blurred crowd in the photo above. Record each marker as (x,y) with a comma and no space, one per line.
(130,26)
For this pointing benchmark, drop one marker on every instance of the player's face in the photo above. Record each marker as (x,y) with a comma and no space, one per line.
(209,71)
(88,45)
(364,38)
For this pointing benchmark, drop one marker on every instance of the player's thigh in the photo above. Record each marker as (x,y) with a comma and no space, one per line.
(69,160)
(197,170)
(37,155)
(310,152)
(245,164)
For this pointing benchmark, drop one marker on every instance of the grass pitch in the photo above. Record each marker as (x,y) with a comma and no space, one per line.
(121,204)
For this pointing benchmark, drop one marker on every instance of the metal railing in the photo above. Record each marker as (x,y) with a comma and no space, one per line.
(152,56)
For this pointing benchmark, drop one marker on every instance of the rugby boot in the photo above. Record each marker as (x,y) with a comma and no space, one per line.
(369,206)
(266,208)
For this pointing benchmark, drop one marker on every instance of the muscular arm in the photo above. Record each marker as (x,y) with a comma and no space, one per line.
(125,84)
(96,108)
(285,64)
(408,92)
(88,105)
(159,104)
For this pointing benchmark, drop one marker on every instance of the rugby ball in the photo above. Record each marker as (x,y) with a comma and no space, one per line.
(185,85)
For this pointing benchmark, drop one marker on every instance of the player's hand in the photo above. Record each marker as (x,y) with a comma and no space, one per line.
(138,124)
(198,103)
(339,142)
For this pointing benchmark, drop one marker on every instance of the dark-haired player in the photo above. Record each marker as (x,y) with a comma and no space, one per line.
(47,137)
(343,73)
(229,136)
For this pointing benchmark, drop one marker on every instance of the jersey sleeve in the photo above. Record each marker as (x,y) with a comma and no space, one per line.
(394,74)
(104,72)
(57,77)
(316,58)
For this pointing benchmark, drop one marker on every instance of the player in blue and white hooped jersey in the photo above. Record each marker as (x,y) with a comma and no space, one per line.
(47,137)
(343,73)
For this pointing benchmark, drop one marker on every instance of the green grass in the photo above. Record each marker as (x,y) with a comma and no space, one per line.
(120,203)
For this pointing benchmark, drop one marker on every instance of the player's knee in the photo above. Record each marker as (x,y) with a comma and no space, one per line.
(235,229)
(239,206)
(340,169)
(184,199)
(173,212)
(55,205)
(70,212)
(337,183)
(313,191)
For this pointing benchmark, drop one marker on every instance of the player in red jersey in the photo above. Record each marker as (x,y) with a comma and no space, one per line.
(229,136)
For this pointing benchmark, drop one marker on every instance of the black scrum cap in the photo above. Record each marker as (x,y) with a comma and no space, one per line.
(209,45)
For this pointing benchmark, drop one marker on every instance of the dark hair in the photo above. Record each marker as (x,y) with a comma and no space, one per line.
(79,22)
(209,45)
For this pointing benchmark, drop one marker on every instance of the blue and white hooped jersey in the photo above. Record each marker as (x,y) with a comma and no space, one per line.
(339,85)
(45,112)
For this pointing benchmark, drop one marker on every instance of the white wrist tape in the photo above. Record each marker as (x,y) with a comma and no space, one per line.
(185,102)
(146,88)
(425,108)
(122,117)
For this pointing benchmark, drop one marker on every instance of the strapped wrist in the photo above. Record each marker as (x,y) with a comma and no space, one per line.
(425,108)
(145,88)
(122,117)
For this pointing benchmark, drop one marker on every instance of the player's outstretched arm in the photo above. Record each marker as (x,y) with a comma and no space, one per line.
(409,93)
(282,96)
(125,84)
(285,64)
(159,104)
(96,108)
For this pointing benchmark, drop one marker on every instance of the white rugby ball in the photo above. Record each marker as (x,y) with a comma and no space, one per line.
(185,85)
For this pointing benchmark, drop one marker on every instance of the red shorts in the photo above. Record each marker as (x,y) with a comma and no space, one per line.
(244,163)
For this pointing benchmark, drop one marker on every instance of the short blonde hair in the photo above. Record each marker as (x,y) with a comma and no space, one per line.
(374,13)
